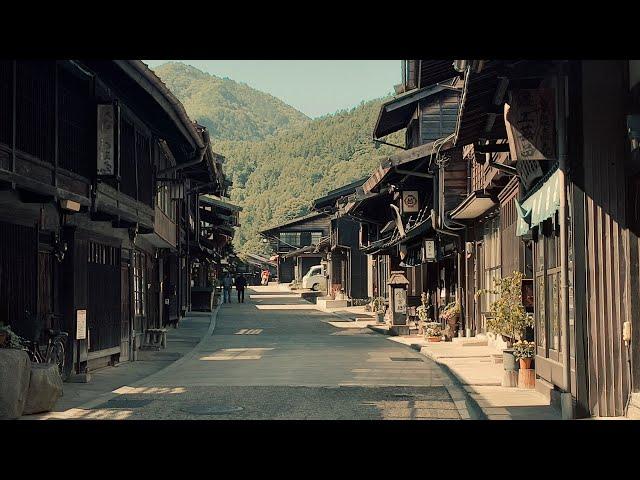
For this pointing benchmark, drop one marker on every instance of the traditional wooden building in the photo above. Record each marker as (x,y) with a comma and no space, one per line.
(347,264)
(210,246)
(93,164)
(295,242)
(568,130)
(400,206)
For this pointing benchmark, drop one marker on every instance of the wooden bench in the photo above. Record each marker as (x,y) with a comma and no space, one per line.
(154,337)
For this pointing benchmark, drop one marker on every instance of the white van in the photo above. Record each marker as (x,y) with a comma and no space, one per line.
(315,278)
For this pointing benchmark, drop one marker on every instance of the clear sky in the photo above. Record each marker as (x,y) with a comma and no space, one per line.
(315,87)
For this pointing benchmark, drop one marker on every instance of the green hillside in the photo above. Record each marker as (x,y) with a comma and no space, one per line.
(230,110)
(276,179)
(278,159)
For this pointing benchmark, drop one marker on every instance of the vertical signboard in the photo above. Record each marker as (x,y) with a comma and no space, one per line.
(430,250)
(81,324)
(530,121)
(400,300)
(107,140)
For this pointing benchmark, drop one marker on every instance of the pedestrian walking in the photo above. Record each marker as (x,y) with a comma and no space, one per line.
(227,283)
(241,283)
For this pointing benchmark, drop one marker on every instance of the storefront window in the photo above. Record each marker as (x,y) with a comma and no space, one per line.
(492,260)
(541,333)
(548,307)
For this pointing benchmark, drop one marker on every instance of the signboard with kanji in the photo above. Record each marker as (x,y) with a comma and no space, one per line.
(530,121)
(107,124)
(81,324)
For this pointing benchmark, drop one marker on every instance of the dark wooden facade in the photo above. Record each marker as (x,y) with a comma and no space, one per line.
(601,221)
(288,241)
(348,266)
(66,231)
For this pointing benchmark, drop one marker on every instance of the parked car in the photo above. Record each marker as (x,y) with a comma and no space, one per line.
(315,278)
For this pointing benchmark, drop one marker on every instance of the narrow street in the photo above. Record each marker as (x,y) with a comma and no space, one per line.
(276,357)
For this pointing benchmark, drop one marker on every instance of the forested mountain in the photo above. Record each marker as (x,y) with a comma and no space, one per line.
(276,177)
(230,110)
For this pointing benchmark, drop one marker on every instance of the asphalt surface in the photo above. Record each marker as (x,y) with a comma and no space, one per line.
(276,357)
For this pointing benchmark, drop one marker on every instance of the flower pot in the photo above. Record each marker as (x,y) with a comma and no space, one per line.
(379,317)
(451,330)
(525,363)
(434,339)
(509,360)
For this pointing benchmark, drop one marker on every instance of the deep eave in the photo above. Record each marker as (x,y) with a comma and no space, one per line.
(395,114)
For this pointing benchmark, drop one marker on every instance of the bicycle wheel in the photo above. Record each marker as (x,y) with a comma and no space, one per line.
(56,355)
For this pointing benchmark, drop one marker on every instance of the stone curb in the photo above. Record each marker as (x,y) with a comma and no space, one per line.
(105,397)
(467,408)
(480,414)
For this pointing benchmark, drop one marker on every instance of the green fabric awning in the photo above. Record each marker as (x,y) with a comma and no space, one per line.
(541,205)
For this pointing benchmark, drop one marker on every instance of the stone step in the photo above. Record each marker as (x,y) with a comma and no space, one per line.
(470,341)
(328,303)
(634,407)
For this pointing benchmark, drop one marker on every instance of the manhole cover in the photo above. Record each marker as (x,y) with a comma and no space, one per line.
(124,403)
(405,359)
(210,409)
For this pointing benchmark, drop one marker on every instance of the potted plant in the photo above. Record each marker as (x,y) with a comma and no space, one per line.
(451,315)
(433,332)
(507,315)
(525,352)
(378,306)
(10,339)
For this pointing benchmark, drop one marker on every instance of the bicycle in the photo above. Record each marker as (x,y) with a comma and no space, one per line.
(55,351)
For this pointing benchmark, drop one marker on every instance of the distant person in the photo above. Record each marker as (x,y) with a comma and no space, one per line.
(227,283)
(265,277)
(241,283)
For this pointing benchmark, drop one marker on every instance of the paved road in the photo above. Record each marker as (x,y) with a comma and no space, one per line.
(276,357)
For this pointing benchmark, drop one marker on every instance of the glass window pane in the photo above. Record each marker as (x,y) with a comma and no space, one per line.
(554,310)
(540,332)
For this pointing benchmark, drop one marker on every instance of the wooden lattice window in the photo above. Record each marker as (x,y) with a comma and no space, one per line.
(77,123)
(6,102)
(35,108)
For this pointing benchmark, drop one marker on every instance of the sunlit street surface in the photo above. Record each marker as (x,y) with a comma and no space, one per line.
(276,357)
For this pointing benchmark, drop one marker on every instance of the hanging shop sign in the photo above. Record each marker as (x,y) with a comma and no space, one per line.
(530,121)
(430,250)
(529,172)
(410,202)
(107,140)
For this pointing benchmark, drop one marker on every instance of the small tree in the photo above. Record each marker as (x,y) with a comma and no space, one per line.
(507,314)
